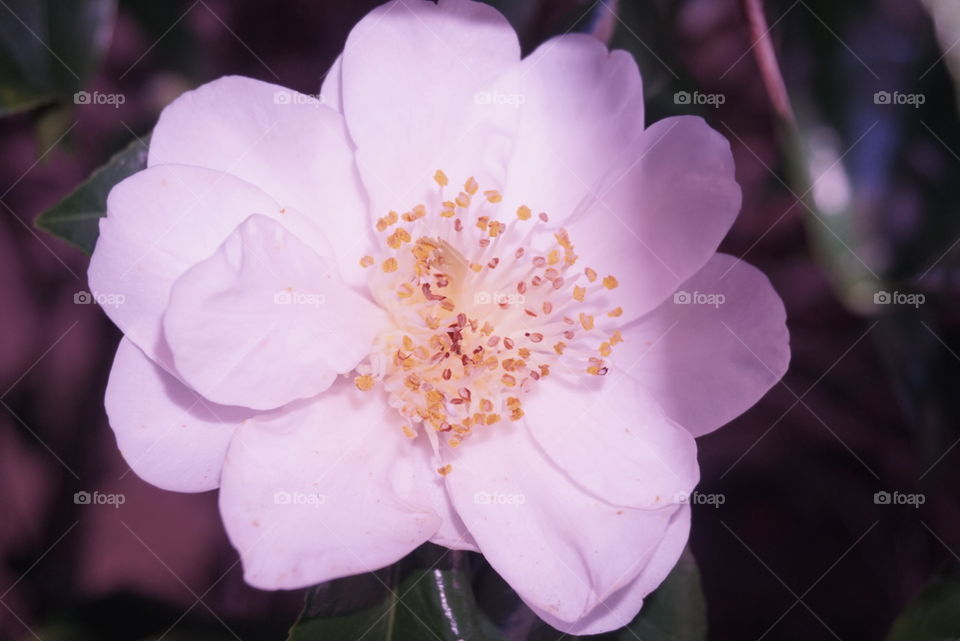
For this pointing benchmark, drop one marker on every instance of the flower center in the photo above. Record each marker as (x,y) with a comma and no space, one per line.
(478,317)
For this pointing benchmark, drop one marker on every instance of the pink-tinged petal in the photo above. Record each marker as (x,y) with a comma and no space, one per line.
(160,222)
(582,110)
(612,440)
(426,86)
(711,351)
(421,482)
(620,608)
(659,218)
(286,143)
(265,320)
(452,532)
(331,89)
(563,550)
(168,434)
(307,493)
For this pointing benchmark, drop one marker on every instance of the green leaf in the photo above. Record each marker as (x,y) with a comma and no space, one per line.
(676,611)
(426,604)
(934,614)
(50,48)
(76,218)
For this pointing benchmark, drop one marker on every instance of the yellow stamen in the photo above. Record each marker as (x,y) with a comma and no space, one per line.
(364,382)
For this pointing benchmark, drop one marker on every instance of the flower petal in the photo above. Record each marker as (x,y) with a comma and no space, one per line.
(582,110)
(308,494)
(422,482)
(286,143)
(413,77)
(563,550)
(331,88)
(613,440)
(706,363)
(265,320)
(659,219)
(168,434)
(160,222)
(622,607)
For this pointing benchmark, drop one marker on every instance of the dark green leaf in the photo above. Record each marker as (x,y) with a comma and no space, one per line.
(76,218)
(49,49)
(934,614)
(427,604)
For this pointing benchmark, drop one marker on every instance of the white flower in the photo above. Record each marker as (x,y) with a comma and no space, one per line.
(351,316)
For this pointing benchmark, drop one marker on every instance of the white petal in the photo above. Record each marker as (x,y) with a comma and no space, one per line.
(620,608)
(714,349)
(159,223)
(286,143)
(613,440)
(168,434)
(331,89)
(265,320)
(659,218)
(308,494)
(582,110)
(562,550)
(413,77)
(419,479)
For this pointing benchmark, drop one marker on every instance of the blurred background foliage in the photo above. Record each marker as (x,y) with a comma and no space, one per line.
(851,194)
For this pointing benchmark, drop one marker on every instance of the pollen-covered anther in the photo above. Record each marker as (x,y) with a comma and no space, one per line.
(364,382)
(477,320)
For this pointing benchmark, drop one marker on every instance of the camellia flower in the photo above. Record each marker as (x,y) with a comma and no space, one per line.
(457,297)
